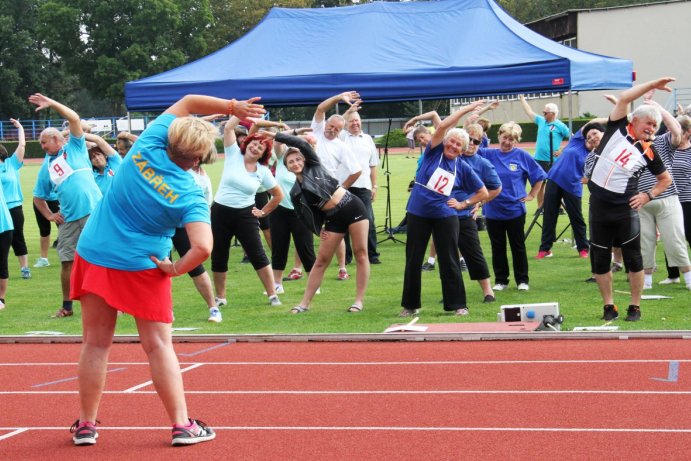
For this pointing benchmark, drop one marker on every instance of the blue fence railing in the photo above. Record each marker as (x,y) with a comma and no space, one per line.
(107,127)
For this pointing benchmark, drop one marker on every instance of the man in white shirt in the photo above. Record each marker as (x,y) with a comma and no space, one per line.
(334,154)
(365,187)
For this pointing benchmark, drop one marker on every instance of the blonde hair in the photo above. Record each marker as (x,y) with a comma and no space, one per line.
(512,129)
(475,128)
(192,137)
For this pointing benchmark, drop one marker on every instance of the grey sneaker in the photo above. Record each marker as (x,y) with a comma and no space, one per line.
(274,301)
(26,273)
(220,302)
(199,432)
(84,433)
(42,262)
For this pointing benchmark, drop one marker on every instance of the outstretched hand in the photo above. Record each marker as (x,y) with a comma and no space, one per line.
(16,124)
(248,108)
(41,102)
(267,134)
(661,83)
(350,97)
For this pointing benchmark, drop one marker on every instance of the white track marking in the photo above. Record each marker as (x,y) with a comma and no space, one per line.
(13,433)
(375,392)
(450,362)
(391,428)
(148,383)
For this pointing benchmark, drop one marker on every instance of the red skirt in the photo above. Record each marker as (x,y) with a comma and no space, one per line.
(145,294)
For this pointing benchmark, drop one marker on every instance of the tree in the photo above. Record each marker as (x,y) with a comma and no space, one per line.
(234,18)
(106,44)
(22,65)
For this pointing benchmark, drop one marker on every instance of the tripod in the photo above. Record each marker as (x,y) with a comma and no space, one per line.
(388,229)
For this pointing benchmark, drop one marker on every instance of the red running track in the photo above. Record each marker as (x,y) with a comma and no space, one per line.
(609,399)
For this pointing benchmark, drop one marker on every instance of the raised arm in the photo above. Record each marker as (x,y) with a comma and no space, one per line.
(621,107)
(106,148)
(44,102)
(670,122)
(348,97)
(229,131)
(207,105)
(526,107)
(451,121)
(295,141)
(431,115)
(21,140)
(260,124)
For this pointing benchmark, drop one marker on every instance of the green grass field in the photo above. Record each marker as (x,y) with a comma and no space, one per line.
(30,303)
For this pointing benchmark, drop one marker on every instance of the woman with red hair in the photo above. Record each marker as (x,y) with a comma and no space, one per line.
(233,213)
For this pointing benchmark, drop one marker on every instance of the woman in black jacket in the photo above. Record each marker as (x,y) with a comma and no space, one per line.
(320,201)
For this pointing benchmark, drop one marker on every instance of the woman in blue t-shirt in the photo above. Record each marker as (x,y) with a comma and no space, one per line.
(432,210)
(125,244)
(505,214)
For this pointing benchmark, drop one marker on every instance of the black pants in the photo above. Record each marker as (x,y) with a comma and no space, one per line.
(471,249)
(284,223)
(554,195)
(498,232)
(614,226)
(43,223)
(444,231)
(365,195)
(673,272)
(226,223)
(181,243)
(5,242)
(18,242)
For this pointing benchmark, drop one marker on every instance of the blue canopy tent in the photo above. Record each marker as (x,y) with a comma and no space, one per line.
(386,52)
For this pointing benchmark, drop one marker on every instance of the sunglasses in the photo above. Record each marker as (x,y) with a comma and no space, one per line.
(477,142)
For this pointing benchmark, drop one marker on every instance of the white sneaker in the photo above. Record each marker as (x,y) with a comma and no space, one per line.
(668,281)
(319,291)
(523,287)
(220,302)
(647,287)
(499,287)
(42,262)
(279,290)
(274,301)
(215,315)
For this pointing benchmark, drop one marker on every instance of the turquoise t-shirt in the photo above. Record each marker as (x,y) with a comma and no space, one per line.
(11,186)
(556,129)
(239,186)
(103,180)
(285,180)
(50,195)
(69,173)
(6,223)
(149,198)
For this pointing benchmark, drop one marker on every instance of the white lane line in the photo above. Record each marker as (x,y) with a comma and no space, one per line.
(13,433)
(394,428)
(148,383)
(448,362)
(375,392)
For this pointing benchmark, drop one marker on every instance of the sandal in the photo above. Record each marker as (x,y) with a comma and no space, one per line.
(62,313)
(408,313)
(298,310)
(355,308)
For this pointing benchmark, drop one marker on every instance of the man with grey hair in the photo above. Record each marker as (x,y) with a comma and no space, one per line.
(334,154)
(550,133)
(67,171)
(365,187)
(613,169)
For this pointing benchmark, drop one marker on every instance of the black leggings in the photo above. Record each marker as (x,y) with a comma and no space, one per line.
(5,242)
(43,223)
(226,223)
(18,242)
(181,243)
(284,223)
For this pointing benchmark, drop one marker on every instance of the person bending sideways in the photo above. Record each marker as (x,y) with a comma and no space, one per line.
(625,151)
(125,244)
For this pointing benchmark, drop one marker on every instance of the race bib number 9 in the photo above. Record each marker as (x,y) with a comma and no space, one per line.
(441,182)
(60,170)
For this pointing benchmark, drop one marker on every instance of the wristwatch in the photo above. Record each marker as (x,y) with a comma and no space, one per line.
(650,196)
(467,203)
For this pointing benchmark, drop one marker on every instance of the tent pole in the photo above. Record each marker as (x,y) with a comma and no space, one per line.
(570,111)
(419,105)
